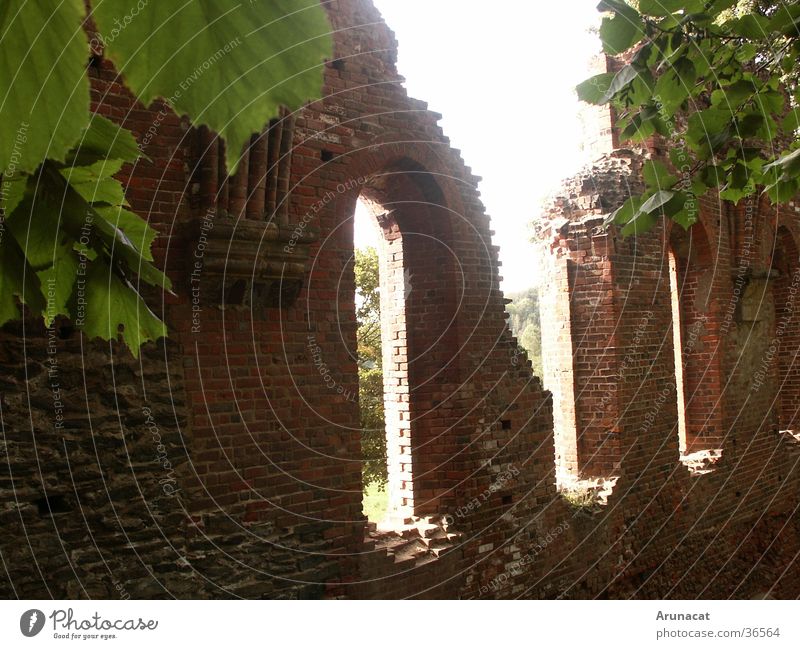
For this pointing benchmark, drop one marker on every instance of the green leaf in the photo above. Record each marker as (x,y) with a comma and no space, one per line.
(771,101)
(705,127)
(662,127)
(685,218)
(702,65)
(84,251)
(35,226)
(750,124)
(668,24)
(621,79)
(641,89)
(788,165)
(720,138)
(751,26)
(57,283)
(697,187)
(135,228)
(111,304)
(685,72)
(785,19)
(227,64)
(17,280)
(657,176)
(44,90)
(625,212)
(682,208)
(12,191)
(639,224)
(646,216)
(95,182)
(77,214)
(638,129)
(731,96)
(667,7)
(752,158)
(620,31)
(594,89)
(740,184)
(124,251)
(679,157)
(657,201)
(746,52)
(782,191)
(645,130)
(676,203)
(104,140)
(642,59)
(670,91)
(702,19)
(712,176)
(791,123)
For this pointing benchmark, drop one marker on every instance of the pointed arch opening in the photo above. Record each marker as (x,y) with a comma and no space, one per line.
(418,303)
(696,348)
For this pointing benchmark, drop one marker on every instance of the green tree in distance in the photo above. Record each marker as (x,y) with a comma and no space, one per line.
(719,78)
(370,367)
(525,324)
(226,64)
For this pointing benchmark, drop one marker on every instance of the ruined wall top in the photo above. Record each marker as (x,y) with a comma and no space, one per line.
(598,189)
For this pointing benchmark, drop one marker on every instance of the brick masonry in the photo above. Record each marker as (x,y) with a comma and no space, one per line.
(226,462)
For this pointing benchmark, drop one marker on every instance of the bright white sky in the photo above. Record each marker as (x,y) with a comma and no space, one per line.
(503,75)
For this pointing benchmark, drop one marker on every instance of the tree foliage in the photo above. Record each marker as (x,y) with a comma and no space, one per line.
(368,305)
(719,80)
(69,244)
(525,324)
(370,366)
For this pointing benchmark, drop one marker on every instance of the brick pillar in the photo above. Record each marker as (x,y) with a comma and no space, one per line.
(394,343)
(578,339)
(557,359)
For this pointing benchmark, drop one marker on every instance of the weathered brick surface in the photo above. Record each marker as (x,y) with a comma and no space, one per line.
(678,528)
(255,403)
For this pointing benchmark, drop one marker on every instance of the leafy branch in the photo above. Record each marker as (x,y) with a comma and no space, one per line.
(718,79)
(70,245)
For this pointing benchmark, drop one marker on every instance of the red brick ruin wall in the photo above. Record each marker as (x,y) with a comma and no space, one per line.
(226,461)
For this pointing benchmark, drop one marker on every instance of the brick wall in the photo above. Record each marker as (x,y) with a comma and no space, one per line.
(673,522)
(254,397)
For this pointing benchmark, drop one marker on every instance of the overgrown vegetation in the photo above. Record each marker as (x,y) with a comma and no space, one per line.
(370,370)
(525,324)
(69,244)
(719,79)
(376,501)
(581,499)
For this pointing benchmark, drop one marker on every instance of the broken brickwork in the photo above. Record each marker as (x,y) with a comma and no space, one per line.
(227,461)
(672,357)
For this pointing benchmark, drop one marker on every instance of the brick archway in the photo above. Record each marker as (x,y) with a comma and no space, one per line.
(696,327)
(419,332)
